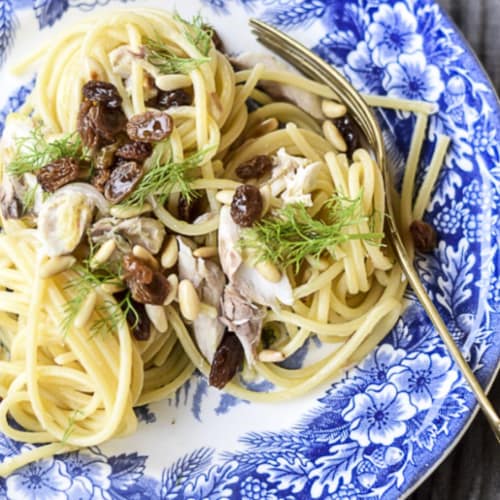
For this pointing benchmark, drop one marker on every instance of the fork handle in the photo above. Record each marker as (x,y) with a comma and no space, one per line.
(437,321)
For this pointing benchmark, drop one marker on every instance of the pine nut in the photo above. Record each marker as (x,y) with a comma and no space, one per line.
(208,310)
(56,265)
(86,310)
(111,288)
(268,271)
(189,302)
(128,212)
(225,196)
(270,356)
(145,255)
(264,127)
(205,252)
(332,134)
(157,316)
(173,281)
(170,253)
(333,109)
(103,254)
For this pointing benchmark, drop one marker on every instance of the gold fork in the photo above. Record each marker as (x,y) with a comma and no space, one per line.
(316,68)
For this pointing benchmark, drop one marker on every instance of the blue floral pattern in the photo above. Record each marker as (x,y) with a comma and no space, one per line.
(371,434)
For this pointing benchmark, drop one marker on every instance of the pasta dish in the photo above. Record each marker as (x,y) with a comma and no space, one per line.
(167,207)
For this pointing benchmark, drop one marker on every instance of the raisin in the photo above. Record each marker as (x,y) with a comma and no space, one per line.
(104,92)
(152,126)
(122,181)
(57,174)
(246,206)
(349,131)
(217,41)
(424,236)
(147,285)
(135,150)
(255,168)
(188,210)
(227,360)
(140,324)
(168,99)
(98,125)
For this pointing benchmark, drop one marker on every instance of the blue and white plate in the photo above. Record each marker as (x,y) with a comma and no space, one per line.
(380,429)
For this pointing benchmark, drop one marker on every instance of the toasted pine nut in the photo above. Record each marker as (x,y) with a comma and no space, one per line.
(264,127)
(189,302)
(157,316)
(205,252)
(208,310)
(333,109)
(173,281)
(270,356)
(86,310)
(268,271)
(170,253)
(332,134)
(145,255)
(103,254)
(56,265)
(127,212)
(265,192)
(225,196)
(111,288)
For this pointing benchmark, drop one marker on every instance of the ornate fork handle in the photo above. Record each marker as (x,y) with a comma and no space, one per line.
(316,68)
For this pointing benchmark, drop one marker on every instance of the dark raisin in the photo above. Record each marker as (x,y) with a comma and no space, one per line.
(104,92)
(98,125)
(58,173)
(147,285)
(350,132)
(135,150)
(99,178)
(188,210)
(152,126)
(255,168)
(168,99)
(246,206)
(122,181)
(424,236)
(140,324)
(137,319)
(227,360)
(217,41)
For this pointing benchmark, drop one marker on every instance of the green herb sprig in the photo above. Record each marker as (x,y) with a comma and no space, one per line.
(291,234)
(163,178)
(198,35)
(110,314)
(34,151)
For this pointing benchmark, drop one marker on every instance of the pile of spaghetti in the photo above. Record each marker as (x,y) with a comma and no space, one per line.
(166,208)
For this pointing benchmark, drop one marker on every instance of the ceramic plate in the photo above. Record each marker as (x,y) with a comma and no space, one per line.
(381,428)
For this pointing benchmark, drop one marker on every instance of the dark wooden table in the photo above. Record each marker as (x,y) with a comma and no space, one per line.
(472,470)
